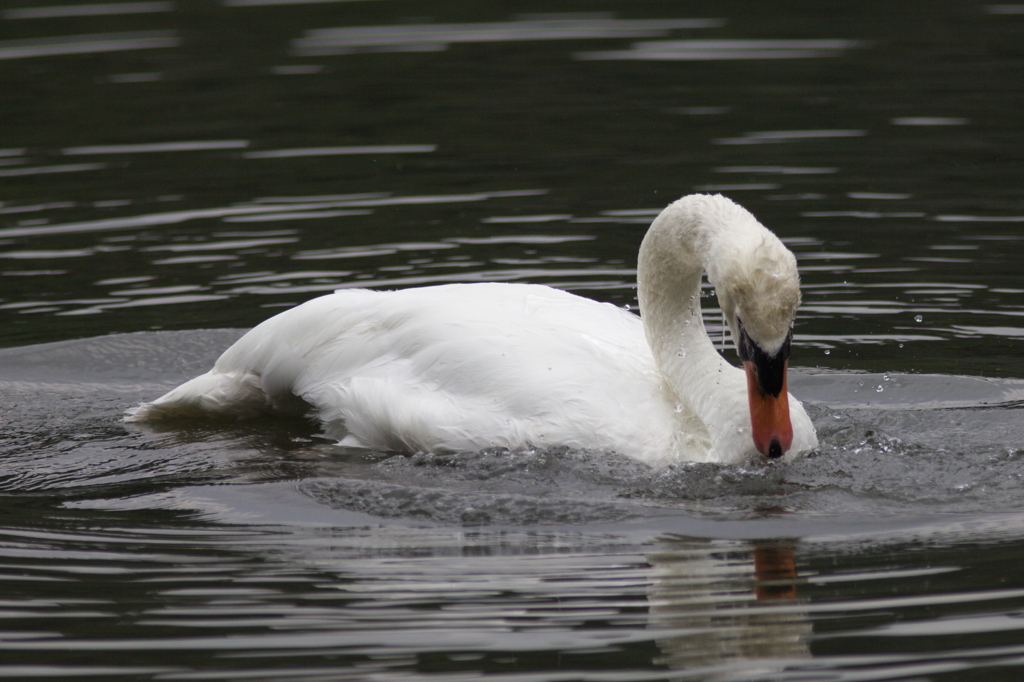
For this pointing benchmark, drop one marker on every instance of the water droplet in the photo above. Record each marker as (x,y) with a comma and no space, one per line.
(627,306)
(918,318)
(678,408)
(686,323)
(901,345)
(828,352)
(879,388)
(886,377)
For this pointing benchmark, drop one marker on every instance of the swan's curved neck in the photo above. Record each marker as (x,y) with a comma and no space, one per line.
(679,247)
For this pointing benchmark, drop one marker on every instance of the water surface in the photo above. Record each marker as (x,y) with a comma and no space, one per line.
(172,173)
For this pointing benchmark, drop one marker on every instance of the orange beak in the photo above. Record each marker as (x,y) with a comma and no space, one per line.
(769,416)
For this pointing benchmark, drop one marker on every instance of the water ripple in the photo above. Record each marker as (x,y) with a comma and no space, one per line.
(88,44)
(349,40)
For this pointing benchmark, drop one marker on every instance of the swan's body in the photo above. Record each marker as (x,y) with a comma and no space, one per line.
(468,366)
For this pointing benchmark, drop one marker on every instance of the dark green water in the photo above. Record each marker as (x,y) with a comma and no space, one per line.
(174,172)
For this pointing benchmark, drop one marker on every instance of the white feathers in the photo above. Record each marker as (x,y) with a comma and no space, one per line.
(464,367)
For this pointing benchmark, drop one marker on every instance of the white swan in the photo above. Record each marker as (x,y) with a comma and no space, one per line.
(467,366)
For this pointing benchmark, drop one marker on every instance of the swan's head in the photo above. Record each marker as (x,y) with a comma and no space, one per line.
(758,288)
(759,291)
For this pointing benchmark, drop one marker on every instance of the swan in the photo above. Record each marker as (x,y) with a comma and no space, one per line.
(464,367)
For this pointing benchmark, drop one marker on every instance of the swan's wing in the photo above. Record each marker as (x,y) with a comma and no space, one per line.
(446,368)
(467,367)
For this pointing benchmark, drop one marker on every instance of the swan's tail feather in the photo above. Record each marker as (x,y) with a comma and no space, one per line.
(214,394)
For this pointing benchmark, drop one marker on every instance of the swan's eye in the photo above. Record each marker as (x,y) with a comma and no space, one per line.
(744,346)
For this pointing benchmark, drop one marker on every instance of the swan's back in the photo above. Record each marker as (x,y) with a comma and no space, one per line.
(448,368)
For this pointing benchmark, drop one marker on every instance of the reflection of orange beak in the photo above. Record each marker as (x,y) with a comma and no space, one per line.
(769,416)
(775,570)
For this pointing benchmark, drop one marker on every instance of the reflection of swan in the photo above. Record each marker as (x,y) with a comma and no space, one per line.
(468,366)
(722,616)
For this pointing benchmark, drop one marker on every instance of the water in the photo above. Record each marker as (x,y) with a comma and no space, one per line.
(172,173)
